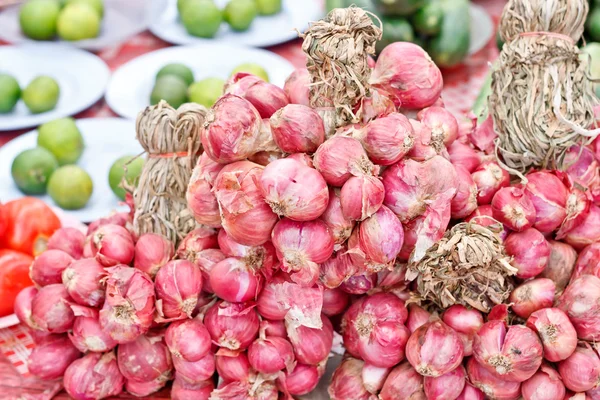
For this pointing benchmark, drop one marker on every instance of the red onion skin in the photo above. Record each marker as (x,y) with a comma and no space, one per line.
(512,354)
(232,280)
(199,196)
(463,319)
(51,311)
(47,268)
(578,208)
(489,178)
(195,372)
(274,328)
(302,380)
(546,384)
(206,260)
(232,365)
(465,200)
(271,304)
(124,219)
(377,105)
(513,207)
(182,391)
(294,190)
(23,304)
(341,157)
(152,251)
(347,383)
(492,386)
(484,135)
(587,232)
(581,371)
(588,262)
(245,215)
(381,237)
(360,283)
(434,349)
(69,240)
(129,307)
(83,280)
(297,129)
(311,345)
(562,262)
(531,296)
(340,267)
(95,376)
(403,382)
(49,360)
(145,359)
(112,244)
(271,354)
(196,241)
(407,73)
(387,139)
(374,377)
(188,339)
(471,393)
(261,258)
(296,87)
(584,169)
(233,326)
(239,83)
(335,301)
(556,332)
(87,334)
(374,330)
(340,226)
(361,197)
(580,301)
(232,129)
(441,122)
(266,98)
(144,389)
(465,156)
(530,251)
(178,285)
(446,387)
(549,197)
(417,317)
(483,216)
(422,232)
(425,147)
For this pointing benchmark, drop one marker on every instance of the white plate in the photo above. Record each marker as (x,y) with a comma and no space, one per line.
(82,78)
(9,320)
(106,139)
(264,31)
(482,28)
(130,86)
(122,19)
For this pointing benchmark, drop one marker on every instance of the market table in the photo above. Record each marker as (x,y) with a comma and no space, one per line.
(462,85)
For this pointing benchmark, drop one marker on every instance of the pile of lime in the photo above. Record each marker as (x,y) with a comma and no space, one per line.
(175,84)
(203,18)
(69,19)
(40,95)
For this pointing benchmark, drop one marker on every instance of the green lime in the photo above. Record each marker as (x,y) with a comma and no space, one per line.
(253,69)
(38,19)
(10,92)
(180,4)
(97,5)
(78,21)
(239,14)
(201,18)
(62,138)
(268,7)
(428,19)
(206,92)
(70,187)
(41,94)
(118,172)
(32,168)
(179,70)
(170,89)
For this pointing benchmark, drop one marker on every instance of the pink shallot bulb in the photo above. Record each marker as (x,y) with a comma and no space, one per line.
(178,285)
(296,87)
(361,197)
(491,385)
(95,376)
(233,280)
(561,263)
(340,226)
(232,365)
(581,302)
(489,178)
(124,219)
(512,354)
(259,258)
(23,303)
(484,135)
(51,310)
(145,359)
(335,301)
(50,359)
(587,232)
(445,387)
(199,195)
(403,382)
(87,334)
(274,328)
(271,354)
(531,296)
(112,244)
(197,371)
(406,72)
(584,169)
(581,371)
(374,377)
(311,345)
(380,238)
(301,246)
(196,241)
(588,262)
(360,283)
(441,122)
(265,97)
(578,209)
(513,207)
(417,317)
(466,322)
(374,329)
(302,380)
(471,393)
(181,390)
(530,251)
(341,157)
(549,196)
(465,156)
(377,105)
(69,240)
(84,281)
(245,215)
(387,139)
(232,325)
(152,251)
(144,389)
(47,268)
(346,382)
(294,190)
(188,339)
(297,129)
(424,146)
(129,307)
(546,384)
(556,332)
(465,200)
(232,130)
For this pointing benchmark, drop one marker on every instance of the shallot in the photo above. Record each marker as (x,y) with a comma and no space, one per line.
(184,391)
(471,393)
(145,359)
(387,139)
(69,240)
(23,304)
(403,382)
(464,156)
(199,195)
(441,122)
(50,359)
(546,384)
(581,371)
(578,209)
(296,87)
(340,226)
(530,251)
(531,296)
(489,178)
(581,302)
(152,251)
(587,232)
(561,263)
(465,200)
(197,371)
(266,98)
(95,376)
(260,258)
(178,285)
(84,281)
(143,389)
(341,157)
(232,325)
(188,339)
(335,301)
(417,317)
(112,244)
(51,310)
(466,322)
(311,345)
(87,334)
(232,365)
(490,384)
(47,268)
(346,382)
(297,129)
(549,196)
(445,387)
(513,207)
(302,380)
(374,377)
(361,197)
(272,354)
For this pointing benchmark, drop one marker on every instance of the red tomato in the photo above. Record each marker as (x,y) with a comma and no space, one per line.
(29,224)
(3,223)
(14,276)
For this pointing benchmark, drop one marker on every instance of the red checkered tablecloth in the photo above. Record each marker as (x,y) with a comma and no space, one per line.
(462,85)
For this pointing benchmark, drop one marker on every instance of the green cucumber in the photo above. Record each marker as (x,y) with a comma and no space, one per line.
(398,7)
(395,29)
(451,46)
(428,20)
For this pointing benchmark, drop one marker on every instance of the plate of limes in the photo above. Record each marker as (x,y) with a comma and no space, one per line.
(88,24)
(256,23)
(80,166)
(45,81)
(188,74)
